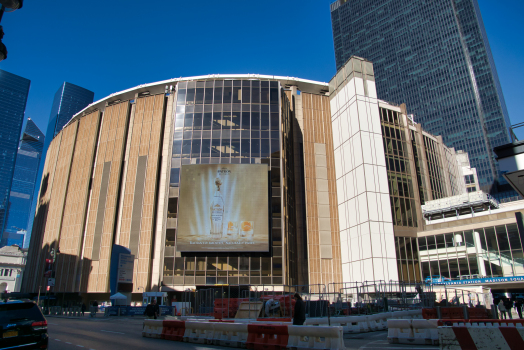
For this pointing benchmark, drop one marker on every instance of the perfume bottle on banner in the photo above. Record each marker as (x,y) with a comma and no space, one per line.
(217,211)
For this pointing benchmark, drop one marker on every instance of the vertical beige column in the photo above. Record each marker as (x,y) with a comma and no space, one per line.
(75,209)
(38,252)
(163,194)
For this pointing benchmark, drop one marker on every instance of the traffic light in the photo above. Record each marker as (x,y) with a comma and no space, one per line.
(11,5)
(3,49)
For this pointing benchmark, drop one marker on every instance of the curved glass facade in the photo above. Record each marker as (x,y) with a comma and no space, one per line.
(227,122)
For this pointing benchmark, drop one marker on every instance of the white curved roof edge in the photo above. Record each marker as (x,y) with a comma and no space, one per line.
(209,76)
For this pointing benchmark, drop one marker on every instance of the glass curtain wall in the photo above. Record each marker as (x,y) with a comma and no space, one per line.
(494,251)
(436,173)
(408,259)
(421,178)
(226,122)
(400,180)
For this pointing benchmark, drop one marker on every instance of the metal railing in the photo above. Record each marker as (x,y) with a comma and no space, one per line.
(332,300)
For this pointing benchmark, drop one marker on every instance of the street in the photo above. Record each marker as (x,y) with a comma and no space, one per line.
(123,333)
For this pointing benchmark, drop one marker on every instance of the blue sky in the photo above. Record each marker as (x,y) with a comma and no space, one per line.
(108,46)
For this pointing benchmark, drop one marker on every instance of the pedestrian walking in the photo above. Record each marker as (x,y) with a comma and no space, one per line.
(83,308)
(94,308)
(518,306)
(502,309)
(152,310)
(508,304)
(299,316)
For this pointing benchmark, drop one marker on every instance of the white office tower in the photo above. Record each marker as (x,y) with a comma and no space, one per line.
(366,226)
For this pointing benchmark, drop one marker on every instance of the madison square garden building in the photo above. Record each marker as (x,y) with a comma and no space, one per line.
(237,180)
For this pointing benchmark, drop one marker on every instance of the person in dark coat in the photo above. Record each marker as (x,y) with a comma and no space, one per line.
(300,311)
(508,303)
(152,310)
(518,306)
(83,308)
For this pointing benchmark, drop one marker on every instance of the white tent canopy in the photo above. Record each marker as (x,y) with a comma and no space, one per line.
(118,296)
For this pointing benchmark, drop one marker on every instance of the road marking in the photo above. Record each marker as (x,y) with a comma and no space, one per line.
(80,346)
(111,332)
(68,342)
(57,339)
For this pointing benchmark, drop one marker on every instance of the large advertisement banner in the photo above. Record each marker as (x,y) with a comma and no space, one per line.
(223,207)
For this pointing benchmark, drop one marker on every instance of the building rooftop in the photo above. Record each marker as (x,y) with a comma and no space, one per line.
(463,204)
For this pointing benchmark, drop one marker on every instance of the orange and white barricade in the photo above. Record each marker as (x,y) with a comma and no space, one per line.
(482,335)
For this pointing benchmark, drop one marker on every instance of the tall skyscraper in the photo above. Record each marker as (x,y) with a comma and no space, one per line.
(13,98)
(69,100)
(23,185)
(435,57)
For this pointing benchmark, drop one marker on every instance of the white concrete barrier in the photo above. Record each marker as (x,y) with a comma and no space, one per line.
(152,328)
(401,315)
(422,332)
(425,332)
(199,332)
(230,334)
(415,314)
(399,331)
(316,337)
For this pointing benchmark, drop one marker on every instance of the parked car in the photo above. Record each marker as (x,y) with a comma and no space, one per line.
(436,279)
(22,326)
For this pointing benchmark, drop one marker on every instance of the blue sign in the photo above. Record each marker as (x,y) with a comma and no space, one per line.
(481,280)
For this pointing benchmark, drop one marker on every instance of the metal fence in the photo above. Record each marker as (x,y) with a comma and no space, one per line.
(332,300)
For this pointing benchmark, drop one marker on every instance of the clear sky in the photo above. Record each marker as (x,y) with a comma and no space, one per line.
(109,46)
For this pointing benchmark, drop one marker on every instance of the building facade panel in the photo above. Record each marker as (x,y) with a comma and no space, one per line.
(60,186)
(366,234)
(104,198)
(75,209)
(323,239)
(136,227)
(38,251)
(68,100)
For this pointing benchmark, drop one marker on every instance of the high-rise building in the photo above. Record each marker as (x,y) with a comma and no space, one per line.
(23,186)
(69,99)
(238,180)
(435,57)
(13,98)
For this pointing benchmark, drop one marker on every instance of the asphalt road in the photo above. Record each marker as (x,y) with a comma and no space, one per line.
(126,334)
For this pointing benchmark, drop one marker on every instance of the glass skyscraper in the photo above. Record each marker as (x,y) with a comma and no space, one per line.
(69,100)
(23,185)
(13,98)
(435,57)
